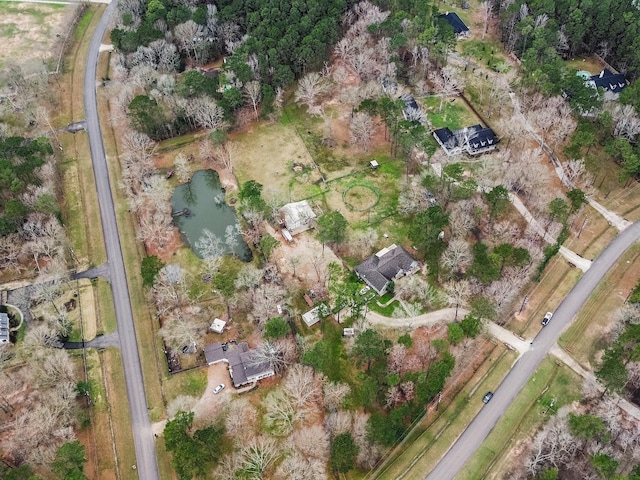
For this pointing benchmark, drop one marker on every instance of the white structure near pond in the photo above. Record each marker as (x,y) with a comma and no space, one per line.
(298,217)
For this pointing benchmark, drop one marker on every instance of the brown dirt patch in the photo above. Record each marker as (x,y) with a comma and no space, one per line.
(27,31)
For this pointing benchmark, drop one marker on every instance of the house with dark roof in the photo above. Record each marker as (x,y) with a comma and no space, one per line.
(459,27)
(387,265)
(473,140)
(4,328)
(611,82)
(244,368)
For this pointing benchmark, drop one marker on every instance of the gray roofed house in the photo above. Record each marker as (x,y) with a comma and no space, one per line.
(385,266)
(609,81)
(4,328)
(473,140)
(242,367)
(298,217)
(459,27)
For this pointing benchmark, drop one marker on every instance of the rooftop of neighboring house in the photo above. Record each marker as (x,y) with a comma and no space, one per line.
(610,81)
(455,21)
(477,138)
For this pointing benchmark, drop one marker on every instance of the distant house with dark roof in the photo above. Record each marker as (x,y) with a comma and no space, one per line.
(4,328)
(385,266)
(243,366)
(473,140)
(611,82)
(459,27)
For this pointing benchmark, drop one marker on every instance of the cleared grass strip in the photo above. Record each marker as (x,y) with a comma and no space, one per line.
(531,407)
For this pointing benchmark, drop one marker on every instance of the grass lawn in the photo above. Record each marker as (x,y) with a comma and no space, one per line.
(455,114)
(486,52)
(531,407)
(106,319)
(193,383)
(590,64)
(421,451)
(588,333)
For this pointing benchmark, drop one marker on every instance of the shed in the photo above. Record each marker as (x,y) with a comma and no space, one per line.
(374,164)
(348,332)
(311,317)
(217,325)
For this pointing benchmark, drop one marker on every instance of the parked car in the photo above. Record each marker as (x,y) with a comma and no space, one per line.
(365,289)
(547,318)
(487,397)
(218,389)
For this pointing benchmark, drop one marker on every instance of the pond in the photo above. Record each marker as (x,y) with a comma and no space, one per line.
(206,222)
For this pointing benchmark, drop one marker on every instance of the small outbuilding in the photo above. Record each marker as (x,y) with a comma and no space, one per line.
(297,217)
(218,325)
(311,317)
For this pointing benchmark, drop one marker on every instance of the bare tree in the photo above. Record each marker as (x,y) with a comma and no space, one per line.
(182,403)
(182,168)
(302,385)
(265,299)
(310,88)
(277,353)
(253,93)
(626,122)
(180,330)
(299,467)
(188,35)
(362,130)
(281,413)
(257,456)
(339,422)
(240,418)
(334,394)
(457,257)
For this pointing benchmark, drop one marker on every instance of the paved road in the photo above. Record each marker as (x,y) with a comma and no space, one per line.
(487,418)
(146,462)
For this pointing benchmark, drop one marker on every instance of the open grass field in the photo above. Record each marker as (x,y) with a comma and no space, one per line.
(275,156)
(531,407)
(588,334)
(590,64)
(27,31)
(423,449)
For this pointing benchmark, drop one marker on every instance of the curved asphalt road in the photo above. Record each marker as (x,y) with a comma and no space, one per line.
(483,423)
(146,462)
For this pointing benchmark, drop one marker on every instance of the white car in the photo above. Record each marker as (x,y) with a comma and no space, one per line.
(218,389)
(365,289)
(547,318)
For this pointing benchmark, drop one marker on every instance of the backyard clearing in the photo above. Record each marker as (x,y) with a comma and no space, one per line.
(275,156)
(27,32)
